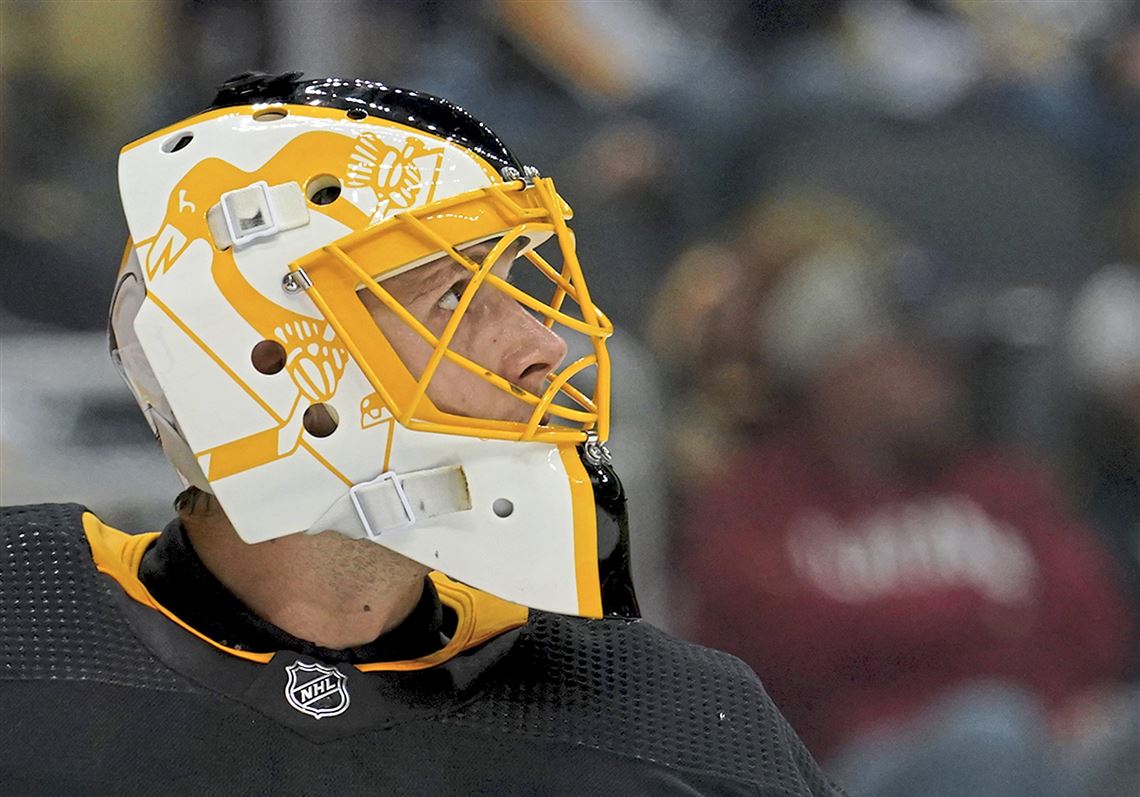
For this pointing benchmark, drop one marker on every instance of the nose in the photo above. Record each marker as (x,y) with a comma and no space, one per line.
(529,351)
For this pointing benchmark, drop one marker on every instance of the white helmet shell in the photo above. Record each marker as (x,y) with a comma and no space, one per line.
(227,222)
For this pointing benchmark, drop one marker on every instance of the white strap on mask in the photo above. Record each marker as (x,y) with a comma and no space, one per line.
(394,501)
(256,211)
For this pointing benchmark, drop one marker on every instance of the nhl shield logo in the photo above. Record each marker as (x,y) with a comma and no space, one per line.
(316,690)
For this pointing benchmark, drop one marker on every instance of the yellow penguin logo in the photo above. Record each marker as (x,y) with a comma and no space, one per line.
(401,178)
(315,360)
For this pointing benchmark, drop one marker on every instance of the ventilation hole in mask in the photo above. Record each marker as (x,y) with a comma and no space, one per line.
(323,189)
(177,142)
(356,114)
(268,357)
(503,507)
(270,115)
(320,420)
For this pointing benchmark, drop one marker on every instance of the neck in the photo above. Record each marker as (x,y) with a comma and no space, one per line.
(324,588)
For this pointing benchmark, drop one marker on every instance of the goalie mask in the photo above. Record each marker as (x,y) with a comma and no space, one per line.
(271,319)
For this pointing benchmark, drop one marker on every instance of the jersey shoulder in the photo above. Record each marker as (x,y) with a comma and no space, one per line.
(58,617)
(630,689)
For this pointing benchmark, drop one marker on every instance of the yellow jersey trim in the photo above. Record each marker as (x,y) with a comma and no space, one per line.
(481,617)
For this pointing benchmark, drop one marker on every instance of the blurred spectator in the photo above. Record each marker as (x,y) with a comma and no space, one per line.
(1104,356)
(925,609)
(703,321)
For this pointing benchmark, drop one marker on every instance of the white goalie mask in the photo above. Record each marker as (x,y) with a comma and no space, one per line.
(246,323)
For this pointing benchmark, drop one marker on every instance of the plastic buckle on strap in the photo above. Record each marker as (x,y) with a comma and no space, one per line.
(249,213)
(387,476)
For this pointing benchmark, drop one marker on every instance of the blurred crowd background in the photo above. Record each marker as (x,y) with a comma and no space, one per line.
(876,271)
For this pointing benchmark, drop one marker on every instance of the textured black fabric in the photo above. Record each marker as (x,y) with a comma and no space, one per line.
(625,685)
(57,619)
(177,578)
(568,706)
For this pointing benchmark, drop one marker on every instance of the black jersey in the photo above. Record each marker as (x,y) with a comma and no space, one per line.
(104,692)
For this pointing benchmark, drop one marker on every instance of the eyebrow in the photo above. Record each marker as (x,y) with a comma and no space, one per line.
(429,285)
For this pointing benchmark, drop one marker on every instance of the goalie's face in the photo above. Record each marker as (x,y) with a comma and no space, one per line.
(495,331)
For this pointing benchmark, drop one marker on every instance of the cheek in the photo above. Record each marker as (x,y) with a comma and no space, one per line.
(477,337)
(413,350)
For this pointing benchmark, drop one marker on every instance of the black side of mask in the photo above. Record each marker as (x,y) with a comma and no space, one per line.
(619,598)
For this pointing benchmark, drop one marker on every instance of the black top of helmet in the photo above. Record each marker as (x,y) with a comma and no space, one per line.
(424,112)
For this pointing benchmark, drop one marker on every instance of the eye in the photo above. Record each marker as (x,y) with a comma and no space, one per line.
(450,300)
